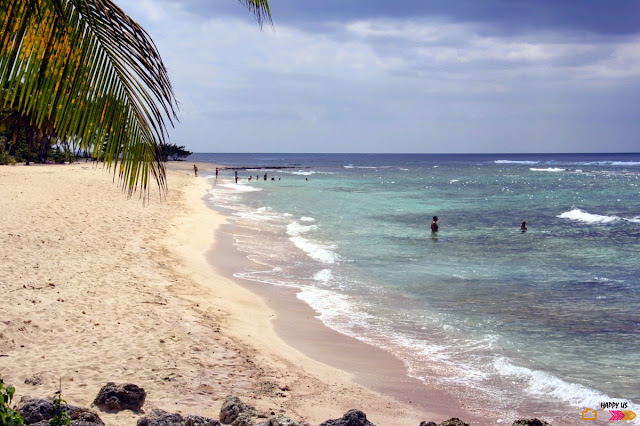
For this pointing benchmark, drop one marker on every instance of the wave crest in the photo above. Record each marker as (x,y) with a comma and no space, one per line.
(585,217)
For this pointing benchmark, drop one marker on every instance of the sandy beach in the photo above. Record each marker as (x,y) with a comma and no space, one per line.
(98,288)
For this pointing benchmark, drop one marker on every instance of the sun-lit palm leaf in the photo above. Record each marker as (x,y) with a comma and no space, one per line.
(94,75)
(88,71)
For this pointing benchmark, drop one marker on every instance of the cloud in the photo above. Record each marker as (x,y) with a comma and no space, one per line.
(411,81)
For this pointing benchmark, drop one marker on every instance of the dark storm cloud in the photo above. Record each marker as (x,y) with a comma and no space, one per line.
(503,16)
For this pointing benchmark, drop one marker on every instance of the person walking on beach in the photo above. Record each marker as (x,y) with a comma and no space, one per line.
(434,225)
(216,173)
(195,170)
(523,226)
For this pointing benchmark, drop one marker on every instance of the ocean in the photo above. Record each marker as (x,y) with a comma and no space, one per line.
(544,322)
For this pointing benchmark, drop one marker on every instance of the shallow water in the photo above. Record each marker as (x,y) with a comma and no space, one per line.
(544,322)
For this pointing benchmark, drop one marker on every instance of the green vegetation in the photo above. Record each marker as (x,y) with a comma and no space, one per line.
(8,416)
(61,417)
(82,73)
(174,152)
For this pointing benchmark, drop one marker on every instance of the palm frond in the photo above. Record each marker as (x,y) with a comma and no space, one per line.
(95,75)
(88,73)
(260,9)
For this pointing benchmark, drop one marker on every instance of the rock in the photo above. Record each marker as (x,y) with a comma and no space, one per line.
(530,422)
(234,412)
(425,423)
(351,418)
(199,421)
(280,420)
(114,397)
(85,416)
(34,380)
(453,422)
(73,423)
(81,423)
(234,409)
(160,418)
(36,410)
(163,418)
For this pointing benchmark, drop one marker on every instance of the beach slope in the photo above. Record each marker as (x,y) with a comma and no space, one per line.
(98,288)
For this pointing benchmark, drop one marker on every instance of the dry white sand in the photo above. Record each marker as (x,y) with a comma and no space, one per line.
(96,288)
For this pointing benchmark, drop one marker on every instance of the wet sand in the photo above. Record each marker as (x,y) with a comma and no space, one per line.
(98,288)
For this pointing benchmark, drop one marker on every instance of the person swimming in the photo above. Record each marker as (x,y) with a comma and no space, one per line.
(434,224)
(523,226)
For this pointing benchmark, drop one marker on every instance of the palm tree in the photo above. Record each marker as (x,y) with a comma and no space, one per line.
(85,71)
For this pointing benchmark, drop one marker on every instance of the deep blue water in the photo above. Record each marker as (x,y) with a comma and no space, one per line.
(545,321)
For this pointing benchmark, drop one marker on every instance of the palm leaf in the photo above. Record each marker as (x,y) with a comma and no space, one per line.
(260,9)
(88,71)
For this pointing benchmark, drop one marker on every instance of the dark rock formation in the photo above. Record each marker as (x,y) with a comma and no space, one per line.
(73,423)
(234,412)
(233,408)
(530,422)
(453,422)
(114,397)
(351,418)
(425,423)
(280,420)
(199,421)
(40,411)
(162,418)
(36,410)
(86,416)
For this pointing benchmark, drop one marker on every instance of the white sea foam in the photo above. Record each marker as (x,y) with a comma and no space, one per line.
(515,162)
(613,163)
(540,383)
(307,219)
(323,276)
(294,229)
(582,216)
(314,250)
(336,310)
(303,172)
(548,169)
(625,163)
(240,187)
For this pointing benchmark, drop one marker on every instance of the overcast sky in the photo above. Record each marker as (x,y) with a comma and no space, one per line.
(401,76)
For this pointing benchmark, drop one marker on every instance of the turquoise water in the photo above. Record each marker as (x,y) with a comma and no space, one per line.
(544,322)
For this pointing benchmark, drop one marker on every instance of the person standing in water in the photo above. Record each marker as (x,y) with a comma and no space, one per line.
(236,176)
(434,224)
(523,226)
